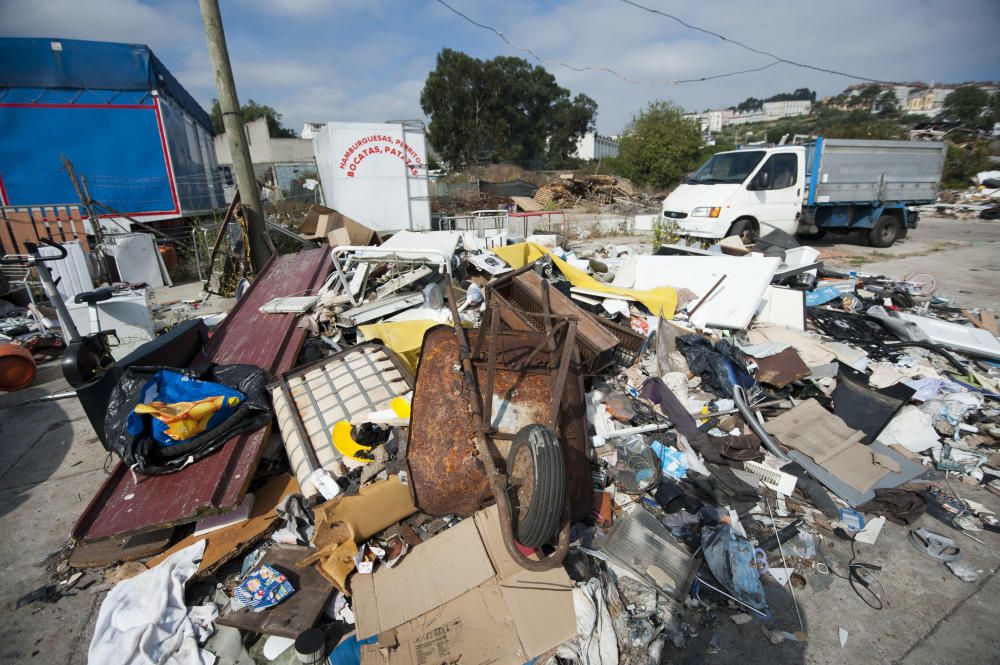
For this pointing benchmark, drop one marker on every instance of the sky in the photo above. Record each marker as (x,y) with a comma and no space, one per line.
(366,60)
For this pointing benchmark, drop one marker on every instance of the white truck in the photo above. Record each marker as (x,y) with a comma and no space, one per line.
(835,185)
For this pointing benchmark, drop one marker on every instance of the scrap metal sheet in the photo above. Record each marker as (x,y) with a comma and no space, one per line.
(217,483)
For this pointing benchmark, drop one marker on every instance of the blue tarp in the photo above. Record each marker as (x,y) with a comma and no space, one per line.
(33,63)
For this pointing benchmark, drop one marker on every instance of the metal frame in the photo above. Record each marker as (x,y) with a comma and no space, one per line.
(481,415)
(377,255)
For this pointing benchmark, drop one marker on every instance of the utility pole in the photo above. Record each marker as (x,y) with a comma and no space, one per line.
(246,181)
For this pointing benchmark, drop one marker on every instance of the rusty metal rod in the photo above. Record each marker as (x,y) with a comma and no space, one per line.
(707,295)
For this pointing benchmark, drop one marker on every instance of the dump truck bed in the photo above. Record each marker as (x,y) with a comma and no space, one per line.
(853,171)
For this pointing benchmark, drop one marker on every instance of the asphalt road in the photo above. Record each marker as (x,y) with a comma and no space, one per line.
(960,254)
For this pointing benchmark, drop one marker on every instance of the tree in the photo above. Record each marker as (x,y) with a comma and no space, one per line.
(967,105)
(659,147)
(249,112)
(501,110)
(886,104)
(750,104)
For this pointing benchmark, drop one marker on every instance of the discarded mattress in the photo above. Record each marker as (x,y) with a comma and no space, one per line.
(344,387)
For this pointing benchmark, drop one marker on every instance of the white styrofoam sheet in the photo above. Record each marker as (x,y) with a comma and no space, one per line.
(732,305)
(975,341)
(783,307)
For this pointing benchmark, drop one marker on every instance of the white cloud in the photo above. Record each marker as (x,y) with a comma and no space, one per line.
(309,7)
(334,59)
(333,102)
(127,21)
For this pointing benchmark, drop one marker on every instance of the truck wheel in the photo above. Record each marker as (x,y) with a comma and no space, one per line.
(885,232)
(536,468)
(746,230)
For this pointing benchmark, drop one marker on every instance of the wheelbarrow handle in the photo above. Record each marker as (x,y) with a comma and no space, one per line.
(498,483)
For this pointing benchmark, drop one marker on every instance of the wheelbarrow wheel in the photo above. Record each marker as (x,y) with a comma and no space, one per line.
(537,472)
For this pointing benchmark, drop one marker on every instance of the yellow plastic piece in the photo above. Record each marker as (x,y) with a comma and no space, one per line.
(342,441)
(403,337)
(185,419)
(662,299)
(400,407)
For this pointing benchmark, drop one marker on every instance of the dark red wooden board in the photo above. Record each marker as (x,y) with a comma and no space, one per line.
(218,482)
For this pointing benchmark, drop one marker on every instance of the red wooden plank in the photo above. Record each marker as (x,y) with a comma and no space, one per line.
(219,482)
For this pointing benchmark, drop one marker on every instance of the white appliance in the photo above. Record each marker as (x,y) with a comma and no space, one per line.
(127,312)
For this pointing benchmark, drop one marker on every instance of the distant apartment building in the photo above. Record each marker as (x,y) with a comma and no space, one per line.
(711,121)
(716,120)
(594,146)
(278,162)
(786,109)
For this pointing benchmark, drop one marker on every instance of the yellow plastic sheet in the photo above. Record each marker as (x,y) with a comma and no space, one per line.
(661,299)
(403,337)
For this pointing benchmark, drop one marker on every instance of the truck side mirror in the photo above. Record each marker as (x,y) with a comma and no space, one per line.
(761,181)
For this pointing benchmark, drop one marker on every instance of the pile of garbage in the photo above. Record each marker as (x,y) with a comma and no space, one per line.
(569,191)
(981,199)
(514,453)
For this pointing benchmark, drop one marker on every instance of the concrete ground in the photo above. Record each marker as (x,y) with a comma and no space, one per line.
(960,254)
(51,463)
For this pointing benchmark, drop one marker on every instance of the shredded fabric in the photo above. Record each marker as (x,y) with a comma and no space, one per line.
(144,621)
(595,642)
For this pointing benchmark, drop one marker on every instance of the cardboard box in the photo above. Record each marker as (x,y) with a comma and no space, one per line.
(326,223)
(460,596)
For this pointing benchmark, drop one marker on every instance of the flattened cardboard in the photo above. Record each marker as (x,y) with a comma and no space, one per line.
(375,507)
(320,221)
(473,629)
(507,617)
(344,520)
(430,575)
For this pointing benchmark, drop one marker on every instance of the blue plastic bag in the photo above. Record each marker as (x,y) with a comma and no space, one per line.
(168,389)
(823,294)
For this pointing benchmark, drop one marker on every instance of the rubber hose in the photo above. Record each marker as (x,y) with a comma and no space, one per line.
(740,398)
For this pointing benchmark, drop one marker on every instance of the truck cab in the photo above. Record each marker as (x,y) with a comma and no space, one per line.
(742,192)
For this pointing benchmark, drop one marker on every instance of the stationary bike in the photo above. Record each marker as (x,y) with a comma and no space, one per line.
(86,356)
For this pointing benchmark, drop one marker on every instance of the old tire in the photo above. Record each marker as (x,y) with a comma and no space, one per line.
(536,468)
(885,232)
(746,230)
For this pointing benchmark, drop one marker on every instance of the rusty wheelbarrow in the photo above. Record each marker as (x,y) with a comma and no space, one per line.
(499,414)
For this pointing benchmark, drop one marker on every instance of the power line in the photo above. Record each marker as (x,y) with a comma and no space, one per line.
(777,58)
(602,69)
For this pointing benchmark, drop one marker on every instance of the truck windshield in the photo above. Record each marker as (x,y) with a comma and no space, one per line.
(727,167)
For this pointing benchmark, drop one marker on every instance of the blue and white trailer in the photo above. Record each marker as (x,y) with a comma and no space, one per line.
(138,138)
(829,185)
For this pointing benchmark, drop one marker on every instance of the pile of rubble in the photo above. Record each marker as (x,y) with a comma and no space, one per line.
(485,453)
(982,199)
(570,191)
